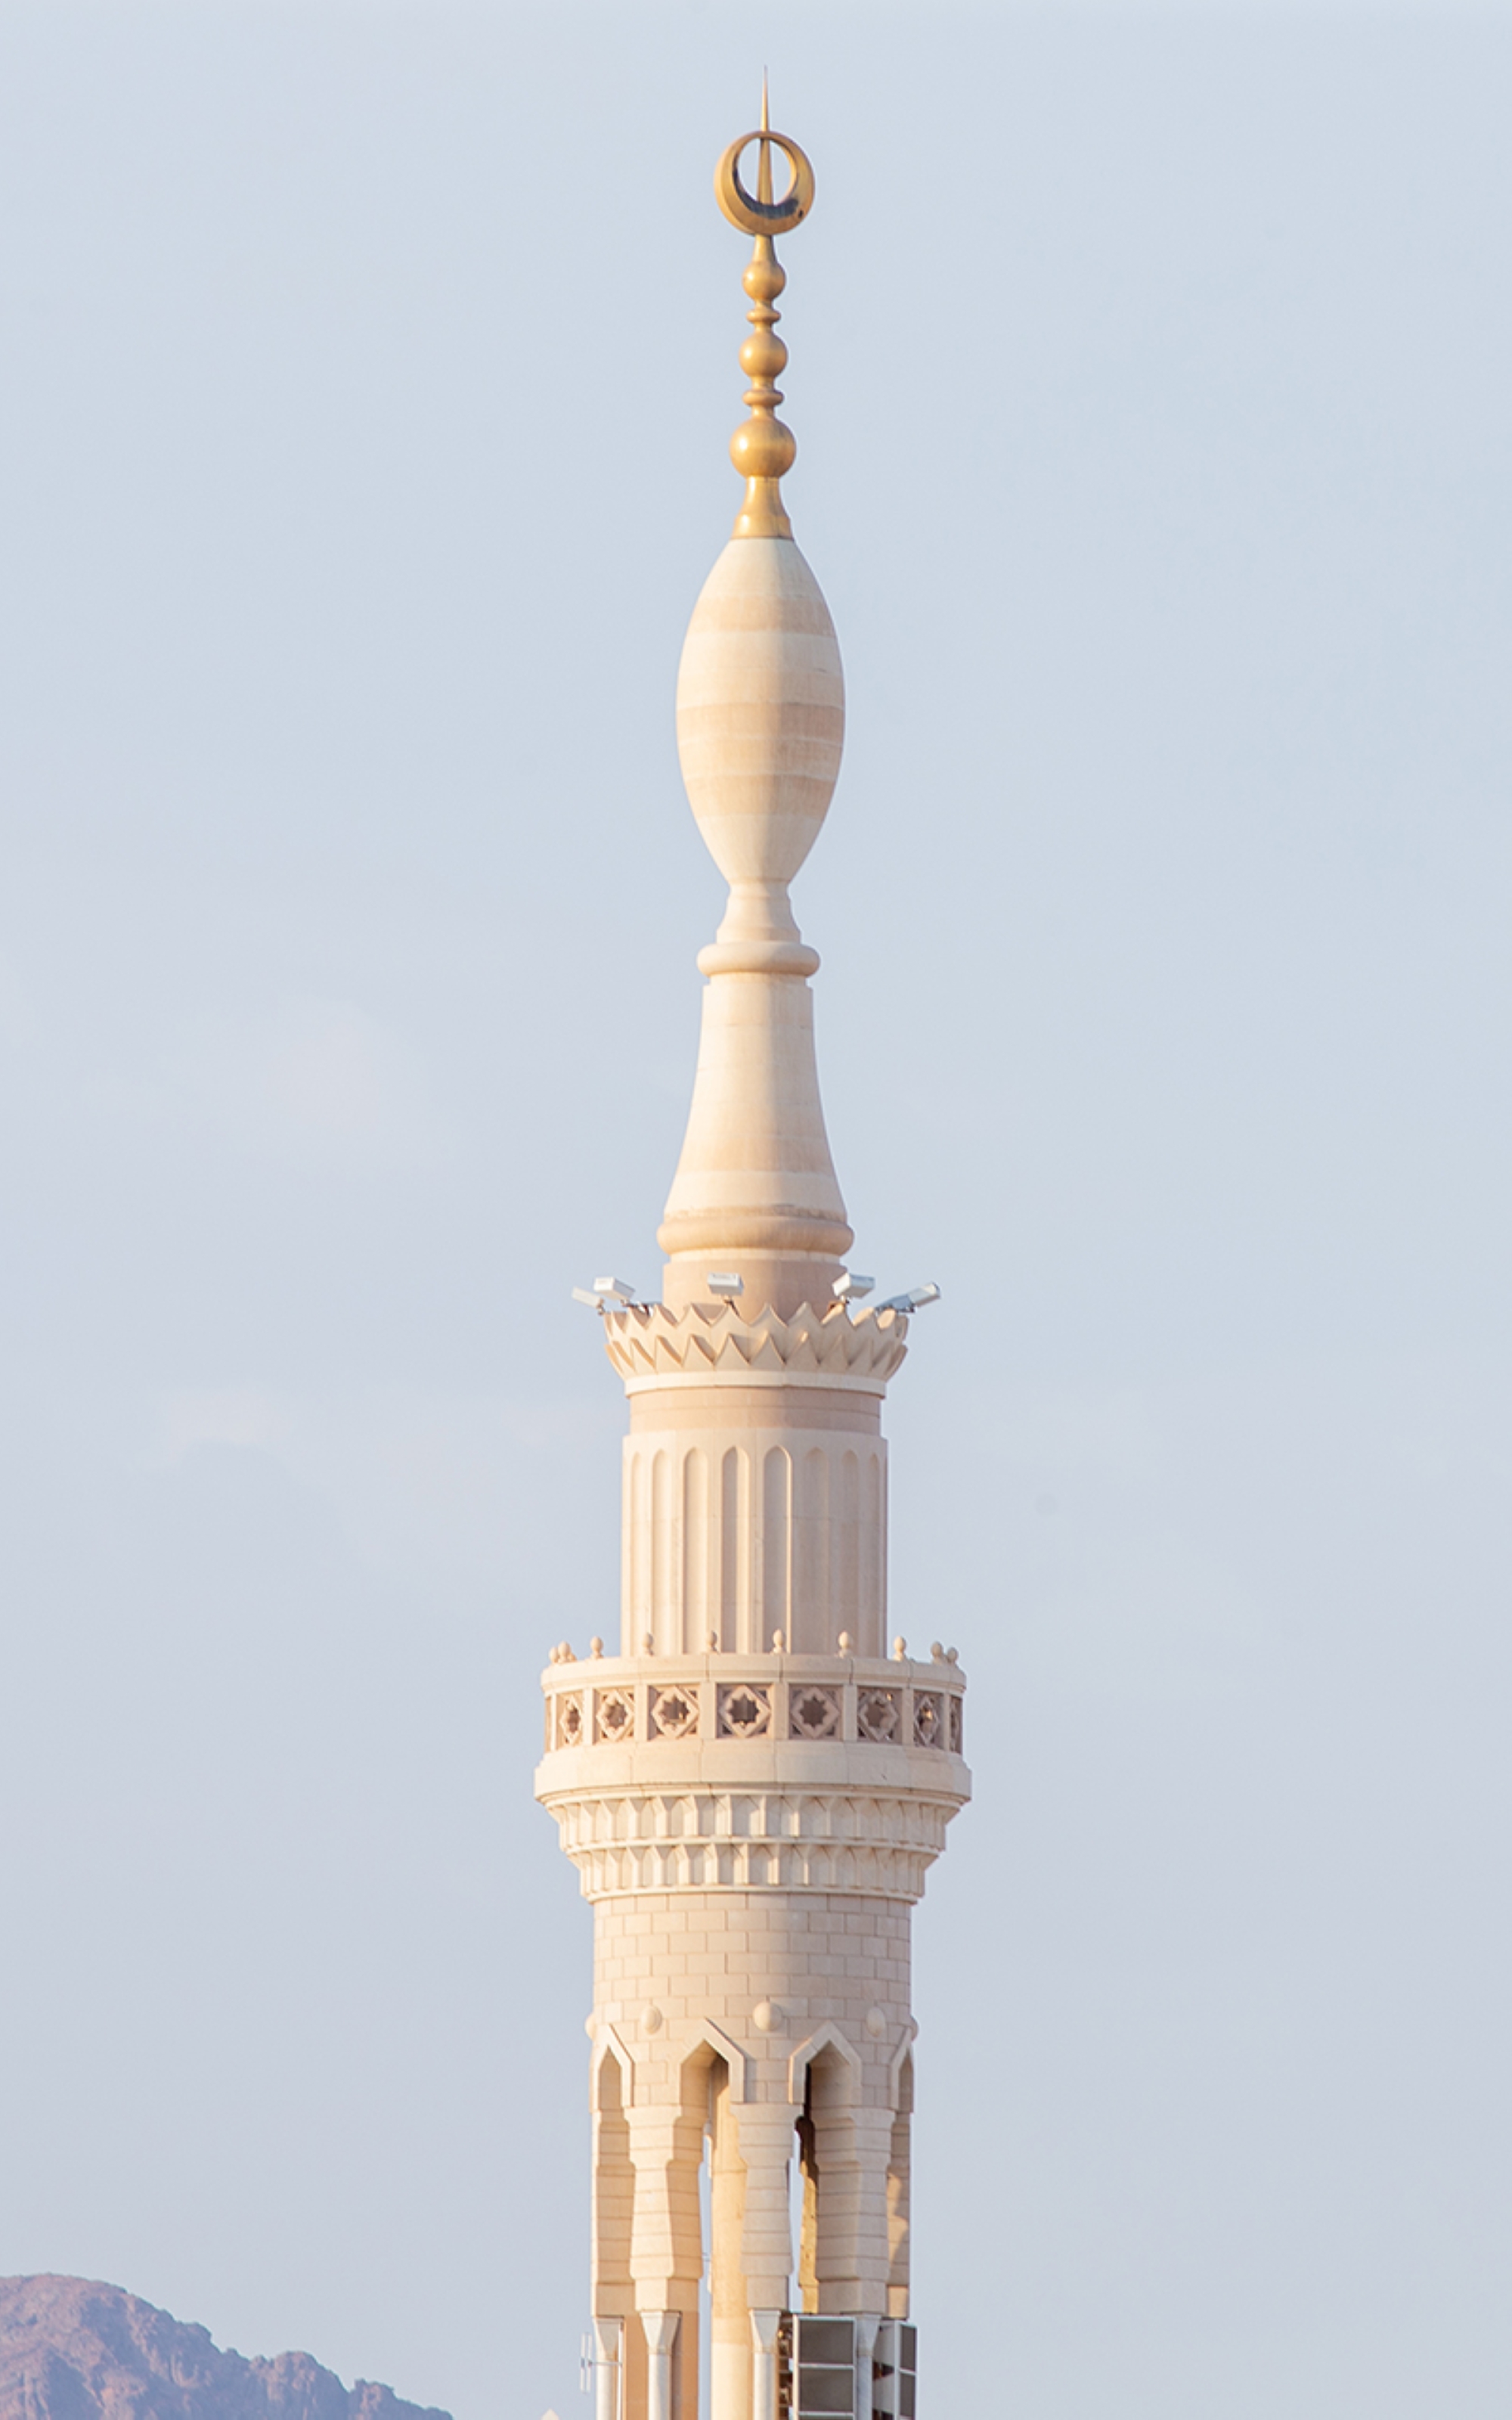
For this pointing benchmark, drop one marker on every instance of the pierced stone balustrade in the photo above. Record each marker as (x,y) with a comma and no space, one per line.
(659,1709)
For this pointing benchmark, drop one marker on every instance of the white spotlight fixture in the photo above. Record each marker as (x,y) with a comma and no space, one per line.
(914,1300)
(850,1287)
(725,1283)
(607,1294)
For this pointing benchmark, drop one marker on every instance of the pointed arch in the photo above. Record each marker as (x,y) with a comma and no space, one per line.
(899,2178)
(901,2059)
(705,2043)
(827,2038)
(608,2044)
(613,2202)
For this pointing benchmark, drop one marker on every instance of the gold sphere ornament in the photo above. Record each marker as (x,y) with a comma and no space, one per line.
(763,449)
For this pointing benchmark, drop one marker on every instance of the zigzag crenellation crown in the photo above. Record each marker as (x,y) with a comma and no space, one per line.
(647,1340)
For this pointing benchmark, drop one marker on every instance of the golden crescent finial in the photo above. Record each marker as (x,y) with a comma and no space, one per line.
(749,211)
(761,449)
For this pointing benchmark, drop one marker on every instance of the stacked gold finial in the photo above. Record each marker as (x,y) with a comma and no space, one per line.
(761,448)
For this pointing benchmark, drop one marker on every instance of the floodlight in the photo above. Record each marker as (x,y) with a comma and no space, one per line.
(580,1294)
(620,1288)
(914,1300)
(725,1283)
(850,1287)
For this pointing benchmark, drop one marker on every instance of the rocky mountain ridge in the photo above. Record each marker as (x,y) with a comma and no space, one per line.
(72,2348)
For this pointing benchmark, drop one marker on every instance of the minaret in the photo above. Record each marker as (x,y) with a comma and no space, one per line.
(755,1787)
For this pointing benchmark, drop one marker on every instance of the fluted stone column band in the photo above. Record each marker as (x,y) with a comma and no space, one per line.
(755,1489)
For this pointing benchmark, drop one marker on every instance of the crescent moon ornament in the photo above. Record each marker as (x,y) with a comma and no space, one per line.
(755,214)
(761,448)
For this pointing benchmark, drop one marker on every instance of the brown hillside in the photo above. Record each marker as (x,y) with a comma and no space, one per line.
(73,2349)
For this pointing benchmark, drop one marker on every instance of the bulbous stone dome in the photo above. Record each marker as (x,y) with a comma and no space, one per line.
(761,710)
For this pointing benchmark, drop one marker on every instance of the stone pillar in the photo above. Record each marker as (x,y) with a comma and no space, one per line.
(767,2144)
(661,2338)
(763,2329)
(666,2246)
(853,2148)
(866,2337)
(607,2337)
(729,2375)
(666,2243)
(729,2316)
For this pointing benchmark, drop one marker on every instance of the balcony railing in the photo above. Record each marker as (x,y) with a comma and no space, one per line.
(603,1701)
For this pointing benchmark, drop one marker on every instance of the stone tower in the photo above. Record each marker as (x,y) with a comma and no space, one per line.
(755,1787)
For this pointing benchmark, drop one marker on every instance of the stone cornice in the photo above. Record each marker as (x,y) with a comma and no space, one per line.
(877,1844)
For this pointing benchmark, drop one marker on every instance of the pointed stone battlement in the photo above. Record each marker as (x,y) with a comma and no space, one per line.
(709,1341)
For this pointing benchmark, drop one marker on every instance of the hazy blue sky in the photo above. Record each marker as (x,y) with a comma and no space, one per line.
(366,375)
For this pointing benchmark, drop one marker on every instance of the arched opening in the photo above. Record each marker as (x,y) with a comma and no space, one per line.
(826,2182)
(898,2191)
(613,2189)
(613,2210)
(729,2319)
(807,2229)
